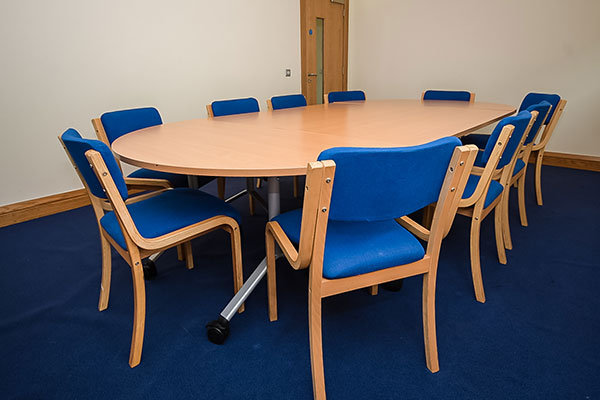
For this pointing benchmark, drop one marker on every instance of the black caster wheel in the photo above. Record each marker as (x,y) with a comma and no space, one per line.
(218,330)
(393,286)
(149,269)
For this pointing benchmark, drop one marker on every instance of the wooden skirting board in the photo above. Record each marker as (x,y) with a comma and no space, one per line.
(576,161)
(36,208)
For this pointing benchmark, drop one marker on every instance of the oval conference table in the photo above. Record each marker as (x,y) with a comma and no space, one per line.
(281,143)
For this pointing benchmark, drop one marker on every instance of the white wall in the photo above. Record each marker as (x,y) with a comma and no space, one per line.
(64,62)
(499,49)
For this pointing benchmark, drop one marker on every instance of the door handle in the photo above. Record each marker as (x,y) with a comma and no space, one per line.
(313,75)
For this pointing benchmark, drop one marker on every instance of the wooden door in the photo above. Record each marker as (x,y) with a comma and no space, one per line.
(324,46)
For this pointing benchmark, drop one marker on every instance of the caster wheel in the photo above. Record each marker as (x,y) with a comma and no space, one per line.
(393,286)
(218,330)
(149,269)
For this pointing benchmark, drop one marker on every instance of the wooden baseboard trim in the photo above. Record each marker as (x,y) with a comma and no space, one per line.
(565,160)
(36,208)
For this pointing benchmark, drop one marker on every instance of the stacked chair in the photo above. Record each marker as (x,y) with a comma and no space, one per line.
(353,238)
(150,222)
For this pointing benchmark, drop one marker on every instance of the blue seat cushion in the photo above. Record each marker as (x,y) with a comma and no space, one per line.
(354,248)
(494,190)
(518,166)
(478,139)
(177,180)
(167,212)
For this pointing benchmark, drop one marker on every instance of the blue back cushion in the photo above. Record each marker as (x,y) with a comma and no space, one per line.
(456,95)
(77,146)
(376,184)
(288,101)
(350,95)
(535,98)
(520,122)
(118,123)
(236,106)
(542,109)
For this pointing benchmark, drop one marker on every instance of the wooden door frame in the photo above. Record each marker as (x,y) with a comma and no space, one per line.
(305,25)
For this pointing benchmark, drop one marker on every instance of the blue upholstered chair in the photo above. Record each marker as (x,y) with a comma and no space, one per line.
(348,95)
(139,226)
(283,102)
(354,238)
(112,125)
(539,146)
(286,101)
(487,186)
(454,95)
(519,172)
(221,108)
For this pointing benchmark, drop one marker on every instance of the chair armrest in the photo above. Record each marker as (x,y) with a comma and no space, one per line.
(414,227)
(290,252)
(143,183)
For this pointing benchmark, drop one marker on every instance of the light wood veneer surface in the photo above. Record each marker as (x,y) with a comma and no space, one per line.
(282,142)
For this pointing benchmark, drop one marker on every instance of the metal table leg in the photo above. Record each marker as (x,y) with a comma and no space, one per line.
(218,330)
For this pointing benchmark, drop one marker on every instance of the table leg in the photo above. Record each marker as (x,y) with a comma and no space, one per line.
(218,330)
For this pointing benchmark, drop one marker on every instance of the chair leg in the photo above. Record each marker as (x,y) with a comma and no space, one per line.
(373,290)
(249,187)
(296,186)
(139,309)
(180,255)
(521,194)
(499,228)
(236,259)
(316,345)
(538,177)
(189,257)
(505,225)
(106,274)
(475,261)
(221,188)
(429,331)
(271,276)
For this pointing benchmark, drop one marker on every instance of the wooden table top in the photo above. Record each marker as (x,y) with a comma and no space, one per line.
(282,142)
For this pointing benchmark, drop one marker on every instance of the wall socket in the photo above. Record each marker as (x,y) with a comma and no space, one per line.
(288,72)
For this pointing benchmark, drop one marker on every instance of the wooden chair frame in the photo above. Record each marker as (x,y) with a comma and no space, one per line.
(139,247)
(471,99)
(319,184)
(539,148)
(474,206)
(518,180)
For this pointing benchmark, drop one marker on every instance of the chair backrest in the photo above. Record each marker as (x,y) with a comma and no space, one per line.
(408,178)
(221,108)
(543,108)
(117,123)
(454,95)
(520,123)
(536,98)
(76,146)
(348,95)
(287,101)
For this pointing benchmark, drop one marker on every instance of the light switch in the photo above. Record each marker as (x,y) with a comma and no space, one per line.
(288,72)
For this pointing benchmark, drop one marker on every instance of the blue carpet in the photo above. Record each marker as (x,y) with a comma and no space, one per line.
(535,338)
